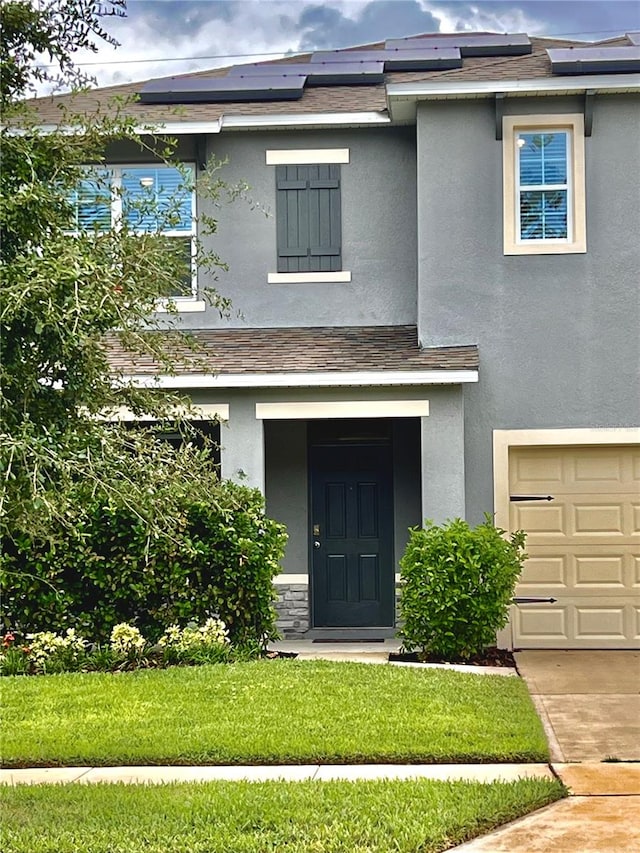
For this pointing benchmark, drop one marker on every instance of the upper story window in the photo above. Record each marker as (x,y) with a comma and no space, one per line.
(544,192)
(148,199)
(308,215)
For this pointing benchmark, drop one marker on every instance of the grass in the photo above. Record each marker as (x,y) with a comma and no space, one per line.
(268,712)
(257,817)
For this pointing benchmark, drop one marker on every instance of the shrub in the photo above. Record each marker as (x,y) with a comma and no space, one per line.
(219,557)
(457,583)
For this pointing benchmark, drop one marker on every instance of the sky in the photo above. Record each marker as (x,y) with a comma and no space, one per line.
(160,38)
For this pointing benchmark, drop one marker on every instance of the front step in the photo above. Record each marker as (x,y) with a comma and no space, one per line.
(362,652)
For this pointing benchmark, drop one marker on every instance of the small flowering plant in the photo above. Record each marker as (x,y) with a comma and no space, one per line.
(208,643)
(127,640)
(46,651)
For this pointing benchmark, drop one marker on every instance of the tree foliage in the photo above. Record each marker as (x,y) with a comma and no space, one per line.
(67,290)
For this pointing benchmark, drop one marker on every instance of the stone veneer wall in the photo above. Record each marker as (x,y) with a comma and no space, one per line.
(292,608)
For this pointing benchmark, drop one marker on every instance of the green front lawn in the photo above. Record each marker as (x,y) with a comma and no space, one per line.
(257,817)
(268,712)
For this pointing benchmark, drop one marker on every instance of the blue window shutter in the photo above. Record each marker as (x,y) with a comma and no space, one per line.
(308,218)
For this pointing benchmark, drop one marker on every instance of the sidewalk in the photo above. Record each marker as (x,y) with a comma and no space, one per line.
(261,773)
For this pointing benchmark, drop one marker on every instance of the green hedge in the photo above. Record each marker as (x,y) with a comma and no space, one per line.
(457,583)
(219,558)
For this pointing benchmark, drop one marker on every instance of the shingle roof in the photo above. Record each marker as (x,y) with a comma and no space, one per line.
(319,99)
(304,350)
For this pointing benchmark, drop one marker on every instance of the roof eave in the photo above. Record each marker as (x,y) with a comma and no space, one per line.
(402,98)
(325,379)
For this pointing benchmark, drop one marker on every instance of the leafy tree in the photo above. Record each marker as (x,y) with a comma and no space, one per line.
(68,290)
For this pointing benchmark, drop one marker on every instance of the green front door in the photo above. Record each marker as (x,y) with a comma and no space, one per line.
(353,574)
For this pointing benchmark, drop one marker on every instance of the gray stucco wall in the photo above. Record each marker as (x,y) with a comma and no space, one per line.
(559,335)
(378,233)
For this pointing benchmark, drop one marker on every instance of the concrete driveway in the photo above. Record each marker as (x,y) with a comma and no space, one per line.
(589,702)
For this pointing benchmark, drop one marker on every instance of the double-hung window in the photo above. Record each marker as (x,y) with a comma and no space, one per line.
(308,215)
(155,198)
(544,195)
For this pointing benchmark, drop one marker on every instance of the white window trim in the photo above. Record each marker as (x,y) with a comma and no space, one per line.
(308,277)
(576,242)
(183,303)
(306,156)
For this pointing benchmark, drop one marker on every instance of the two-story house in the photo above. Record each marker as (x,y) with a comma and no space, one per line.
(439,317)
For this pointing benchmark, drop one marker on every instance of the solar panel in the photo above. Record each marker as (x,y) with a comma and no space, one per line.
(590,60)
(396,59)
(470,44)
(261,70)
(421,59)
(193,90)
(320,73)
(634,38)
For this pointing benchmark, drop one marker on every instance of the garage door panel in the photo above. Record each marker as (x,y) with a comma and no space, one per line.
(577,625)
(584,547)
(600,572)
(539,520)
(546,572)
(586,572)
(541,468)
(597,519)
(599,622)
(541,625)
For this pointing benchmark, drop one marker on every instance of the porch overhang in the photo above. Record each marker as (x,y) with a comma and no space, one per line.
(301,357)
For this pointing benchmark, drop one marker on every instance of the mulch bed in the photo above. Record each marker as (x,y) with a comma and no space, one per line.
(490,657)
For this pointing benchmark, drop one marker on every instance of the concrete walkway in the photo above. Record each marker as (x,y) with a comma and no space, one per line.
(373,653)
(589,703)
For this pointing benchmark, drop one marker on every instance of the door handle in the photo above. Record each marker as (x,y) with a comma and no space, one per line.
(316,544)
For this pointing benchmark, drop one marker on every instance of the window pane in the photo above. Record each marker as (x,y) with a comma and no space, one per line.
(156,199)
(93,203)
(543,215)
(184,282)
(543,158)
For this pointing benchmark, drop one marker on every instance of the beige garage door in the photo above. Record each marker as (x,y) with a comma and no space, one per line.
(583,546)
